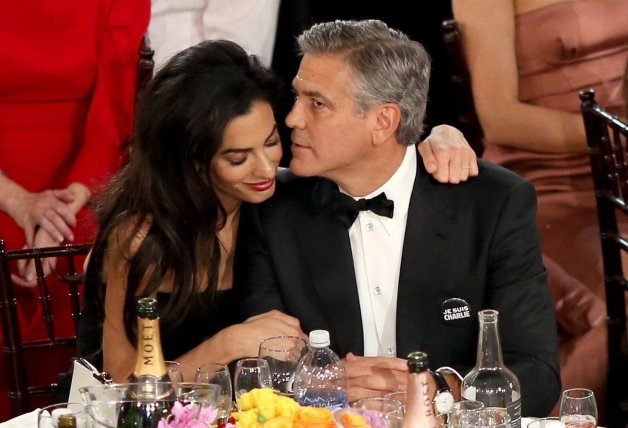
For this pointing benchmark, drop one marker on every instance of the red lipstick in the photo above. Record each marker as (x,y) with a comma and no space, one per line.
(262,186)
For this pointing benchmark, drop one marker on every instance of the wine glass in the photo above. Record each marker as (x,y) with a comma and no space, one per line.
(578,408)
(250,373)
(282,354)
(175,371)
(217,374)
(494,417)
(380,404)
(463,406)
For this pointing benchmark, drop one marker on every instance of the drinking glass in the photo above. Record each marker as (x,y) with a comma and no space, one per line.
(550,422)
(380,404)
(343,419)
(578,408)
(48,417)
(251,373)
(493,417)
(462,406)
(400,396)
(217,374)
(282,354)
(175,371)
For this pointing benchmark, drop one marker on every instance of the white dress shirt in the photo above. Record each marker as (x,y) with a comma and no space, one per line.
(376,244)
(179,24)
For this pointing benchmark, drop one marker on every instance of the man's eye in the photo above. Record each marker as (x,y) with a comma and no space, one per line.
(317,104)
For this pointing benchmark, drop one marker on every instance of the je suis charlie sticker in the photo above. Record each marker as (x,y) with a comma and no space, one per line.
(455,311)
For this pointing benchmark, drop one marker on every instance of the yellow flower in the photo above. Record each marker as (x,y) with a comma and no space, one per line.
(314,417)
(279,422)
(263,408)
(247,419)
(355,420)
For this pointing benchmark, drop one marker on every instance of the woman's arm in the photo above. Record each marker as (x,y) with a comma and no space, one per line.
(234,342)
(240,340)
(488,29)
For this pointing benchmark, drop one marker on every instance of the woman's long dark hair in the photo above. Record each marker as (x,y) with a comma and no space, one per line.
(179,127)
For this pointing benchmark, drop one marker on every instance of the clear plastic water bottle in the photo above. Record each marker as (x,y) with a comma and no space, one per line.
(320,379)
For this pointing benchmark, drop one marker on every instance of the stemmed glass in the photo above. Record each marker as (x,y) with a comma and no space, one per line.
(217,374)
(282,354)
(175,371)
(380,404)
(250,373)
(578,408)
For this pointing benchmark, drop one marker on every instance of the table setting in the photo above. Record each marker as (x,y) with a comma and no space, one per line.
(262,395)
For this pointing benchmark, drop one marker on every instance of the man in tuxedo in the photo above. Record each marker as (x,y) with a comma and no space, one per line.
(361,241)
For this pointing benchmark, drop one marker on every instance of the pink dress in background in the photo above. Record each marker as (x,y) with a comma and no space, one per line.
(561,49)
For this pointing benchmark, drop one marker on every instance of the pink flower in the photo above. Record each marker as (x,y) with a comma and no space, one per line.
(374,420)
(188,416)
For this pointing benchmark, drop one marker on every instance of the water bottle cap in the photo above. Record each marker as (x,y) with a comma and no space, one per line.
(319,338)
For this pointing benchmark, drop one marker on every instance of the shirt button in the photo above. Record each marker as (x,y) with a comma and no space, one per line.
(390,350)
(370,227)
(378,291)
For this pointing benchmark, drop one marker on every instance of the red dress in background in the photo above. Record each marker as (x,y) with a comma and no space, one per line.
(67,88)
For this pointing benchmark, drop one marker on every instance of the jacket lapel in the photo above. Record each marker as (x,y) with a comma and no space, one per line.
(429,240)
(329,262)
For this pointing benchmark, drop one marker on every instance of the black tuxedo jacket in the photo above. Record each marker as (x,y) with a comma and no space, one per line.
(475,241)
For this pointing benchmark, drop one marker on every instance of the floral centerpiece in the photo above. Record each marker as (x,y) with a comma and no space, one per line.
(189,416)
(263,408)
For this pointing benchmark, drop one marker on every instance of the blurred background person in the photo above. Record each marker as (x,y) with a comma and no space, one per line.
(179,24)
(528,60)
(67,88)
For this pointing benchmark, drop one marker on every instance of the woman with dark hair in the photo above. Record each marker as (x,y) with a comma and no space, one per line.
(205,141)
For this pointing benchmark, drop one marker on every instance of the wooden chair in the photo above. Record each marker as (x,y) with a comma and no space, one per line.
(461,84)
(607,138)
(17,349)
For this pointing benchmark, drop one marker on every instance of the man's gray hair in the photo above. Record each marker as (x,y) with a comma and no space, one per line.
(389,67)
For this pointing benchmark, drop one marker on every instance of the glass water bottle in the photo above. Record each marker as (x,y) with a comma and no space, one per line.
(490,381)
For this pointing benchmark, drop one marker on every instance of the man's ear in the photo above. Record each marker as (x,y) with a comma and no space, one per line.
(387,117)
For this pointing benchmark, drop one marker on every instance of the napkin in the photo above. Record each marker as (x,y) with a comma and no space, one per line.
(27,420)
(81,376)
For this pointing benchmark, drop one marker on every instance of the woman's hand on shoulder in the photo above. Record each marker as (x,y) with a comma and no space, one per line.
(448,156)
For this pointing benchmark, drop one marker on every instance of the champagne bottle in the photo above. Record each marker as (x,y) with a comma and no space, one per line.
(419,410)
(150,396)
(490,381)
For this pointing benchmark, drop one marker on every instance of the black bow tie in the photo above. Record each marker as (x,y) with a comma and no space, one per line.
(347,208)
